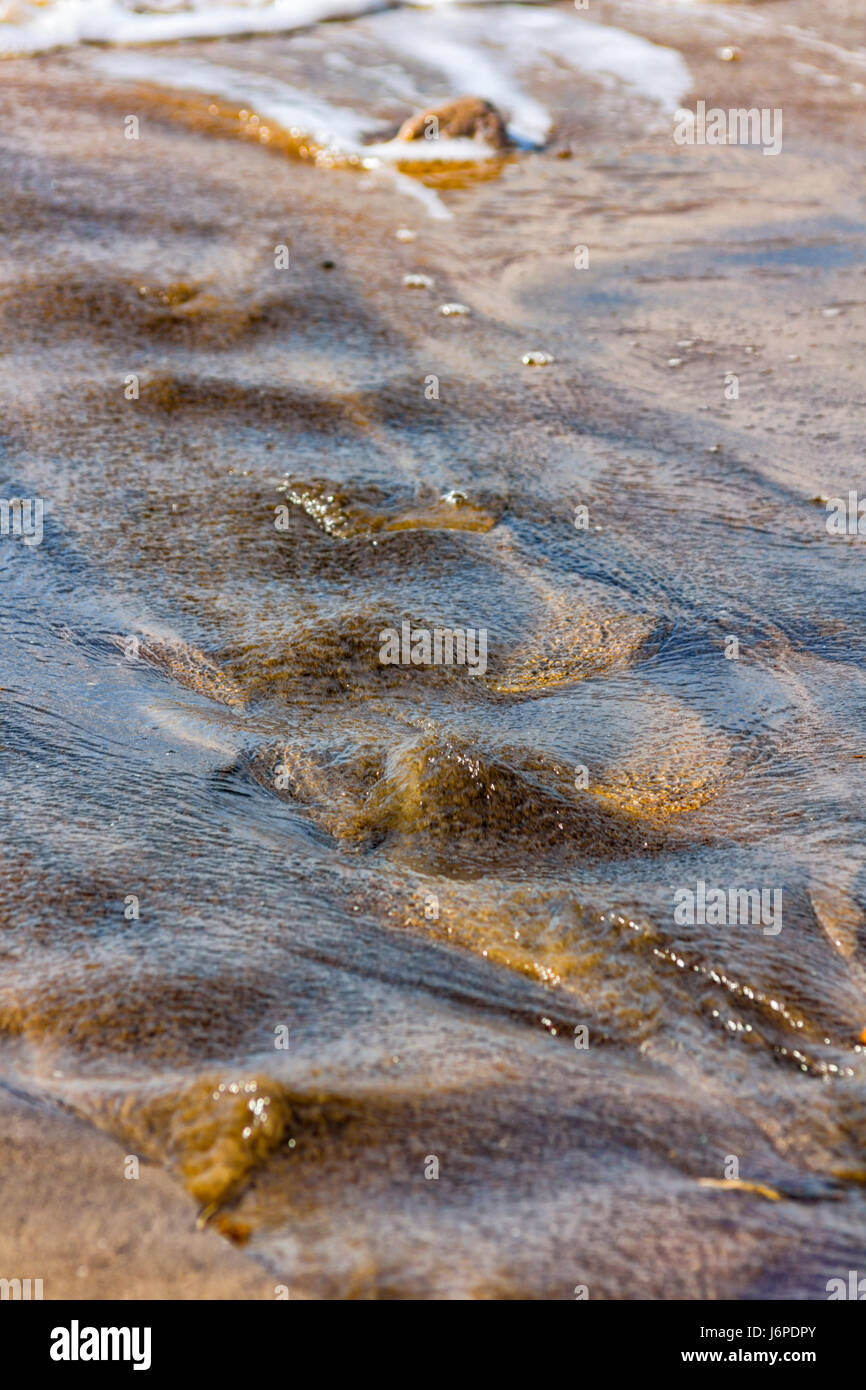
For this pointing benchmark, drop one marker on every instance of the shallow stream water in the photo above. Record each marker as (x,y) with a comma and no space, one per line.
(306,927)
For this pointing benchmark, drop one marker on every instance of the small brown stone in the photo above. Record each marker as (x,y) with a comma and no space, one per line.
(470,117)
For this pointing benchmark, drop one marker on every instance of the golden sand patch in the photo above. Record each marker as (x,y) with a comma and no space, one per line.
(741,1185)
(187,665)
(341,516)
(216,1131)
(572,646)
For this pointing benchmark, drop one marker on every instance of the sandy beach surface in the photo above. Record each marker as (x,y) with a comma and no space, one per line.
(377,968)
(91,1237)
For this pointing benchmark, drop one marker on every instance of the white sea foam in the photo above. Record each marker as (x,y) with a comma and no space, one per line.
(443,34)
(34,28)
(334,133)
(485,53)
(472,53)
(490,51)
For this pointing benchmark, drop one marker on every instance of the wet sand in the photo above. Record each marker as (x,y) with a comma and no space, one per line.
(397,864)
(93,1236)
